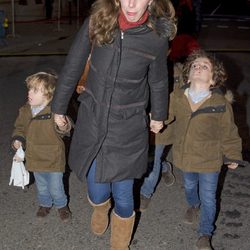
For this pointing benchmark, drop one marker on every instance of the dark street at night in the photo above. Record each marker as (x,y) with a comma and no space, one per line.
(38,46)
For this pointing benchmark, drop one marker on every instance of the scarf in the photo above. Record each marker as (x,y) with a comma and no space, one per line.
(36,109)
(125,24)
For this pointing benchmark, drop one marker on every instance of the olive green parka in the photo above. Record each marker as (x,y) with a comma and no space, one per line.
(44,147)
(112,122)
(201,139)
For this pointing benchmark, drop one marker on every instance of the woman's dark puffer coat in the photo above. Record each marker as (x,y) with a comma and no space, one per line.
(112,125)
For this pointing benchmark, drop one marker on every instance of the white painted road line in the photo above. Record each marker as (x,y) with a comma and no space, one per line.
(222,26)
(243,27)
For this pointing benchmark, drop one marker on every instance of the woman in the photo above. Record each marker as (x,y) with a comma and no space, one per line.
(129,43)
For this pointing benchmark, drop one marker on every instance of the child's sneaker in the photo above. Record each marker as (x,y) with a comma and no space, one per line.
(191,215)
(203,243)
(168,175)
(144,202)
(64,214)
(43,212)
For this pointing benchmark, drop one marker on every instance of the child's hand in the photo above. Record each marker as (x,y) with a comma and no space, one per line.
(17,158)
(232,165)
(17,144)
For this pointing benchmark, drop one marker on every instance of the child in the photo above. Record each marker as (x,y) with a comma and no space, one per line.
(36,131)
(181,46)
(202,131)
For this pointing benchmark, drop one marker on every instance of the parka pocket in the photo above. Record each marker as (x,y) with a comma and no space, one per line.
(136,117)
(87,100)
(203,151)
(86,124)
(44,156)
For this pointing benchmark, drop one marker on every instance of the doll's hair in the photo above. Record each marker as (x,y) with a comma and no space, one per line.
(45,81)
(218,70)
(104,18)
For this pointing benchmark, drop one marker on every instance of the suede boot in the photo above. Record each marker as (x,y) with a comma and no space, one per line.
(121,231)
(100,217)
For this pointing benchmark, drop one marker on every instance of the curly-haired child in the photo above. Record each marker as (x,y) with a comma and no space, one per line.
(203,133)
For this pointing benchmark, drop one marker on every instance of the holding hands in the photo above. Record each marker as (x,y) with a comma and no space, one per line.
(61,121)
(156,126)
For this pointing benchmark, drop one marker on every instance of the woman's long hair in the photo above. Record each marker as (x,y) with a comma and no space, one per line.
(104,18)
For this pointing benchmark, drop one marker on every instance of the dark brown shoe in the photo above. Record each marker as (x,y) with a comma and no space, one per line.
(43,212)
(203,243)
(168,176)
(144,202)
(191,215)
(64,214)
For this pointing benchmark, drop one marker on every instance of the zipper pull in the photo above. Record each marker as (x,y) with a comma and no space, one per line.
(122,34)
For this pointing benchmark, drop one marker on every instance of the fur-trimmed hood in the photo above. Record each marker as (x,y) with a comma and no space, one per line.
(229,96)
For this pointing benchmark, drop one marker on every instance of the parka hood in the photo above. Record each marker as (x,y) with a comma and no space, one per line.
(222,90)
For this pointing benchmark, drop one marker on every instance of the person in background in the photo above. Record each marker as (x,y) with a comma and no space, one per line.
(202,131)
(128,41)
(41,136)
(181,46)
(49,8)
(197,5)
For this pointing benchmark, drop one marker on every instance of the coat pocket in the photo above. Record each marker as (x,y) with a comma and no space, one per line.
(44,156)
(204,151)
(87,100)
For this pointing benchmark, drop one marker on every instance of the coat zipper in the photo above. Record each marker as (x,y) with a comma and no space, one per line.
(184,141)
(120,40)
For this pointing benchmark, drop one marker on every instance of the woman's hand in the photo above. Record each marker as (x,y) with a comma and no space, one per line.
(156,126)
(60,120)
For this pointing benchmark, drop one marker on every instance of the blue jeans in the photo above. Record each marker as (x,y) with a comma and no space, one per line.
(200,190)
(122,192)
(149,184)
(50,189)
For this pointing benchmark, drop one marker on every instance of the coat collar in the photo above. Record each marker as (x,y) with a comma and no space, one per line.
(217,90)
(217,97)
(162,26)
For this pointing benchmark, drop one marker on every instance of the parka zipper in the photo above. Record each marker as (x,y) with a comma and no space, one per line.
(110,101)
(184,141)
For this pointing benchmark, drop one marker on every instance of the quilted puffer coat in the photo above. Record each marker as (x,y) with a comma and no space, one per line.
(112,124)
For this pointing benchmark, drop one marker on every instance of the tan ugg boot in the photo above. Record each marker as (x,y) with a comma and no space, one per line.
(100,217)
(121,231)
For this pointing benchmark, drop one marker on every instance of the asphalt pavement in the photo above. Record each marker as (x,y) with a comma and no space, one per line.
(39,46)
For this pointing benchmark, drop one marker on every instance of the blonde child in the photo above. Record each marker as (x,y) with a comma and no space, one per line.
(36,131)
(202,131)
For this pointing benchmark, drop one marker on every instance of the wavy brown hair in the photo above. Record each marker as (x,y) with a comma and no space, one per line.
(104,18)
(218,70)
